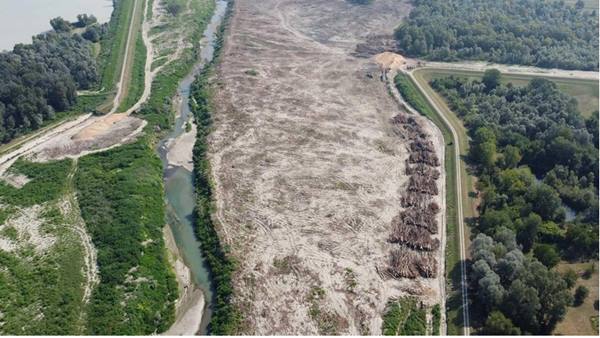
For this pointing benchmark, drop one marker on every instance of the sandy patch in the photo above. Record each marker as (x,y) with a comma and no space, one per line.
(180,151)
(14,180)
(27,222)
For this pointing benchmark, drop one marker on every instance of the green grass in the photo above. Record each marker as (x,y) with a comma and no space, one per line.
(136,82)
(113,47)
(120,195)
(584,91)
(30,300)
(404,317)
(47,183)
(436,321)
(415,98)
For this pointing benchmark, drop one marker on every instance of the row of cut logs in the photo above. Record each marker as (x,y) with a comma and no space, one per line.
(413,226)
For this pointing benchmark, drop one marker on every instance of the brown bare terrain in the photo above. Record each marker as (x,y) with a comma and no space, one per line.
(310,169)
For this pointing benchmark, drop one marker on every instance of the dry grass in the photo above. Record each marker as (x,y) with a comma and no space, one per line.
(578,319)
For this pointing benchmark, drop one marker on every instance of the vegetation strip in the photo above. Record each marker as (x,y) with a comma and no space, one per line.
(226,318)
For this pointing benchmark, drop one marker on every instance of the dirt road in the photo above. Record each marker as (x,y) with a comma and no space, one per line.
(307,167)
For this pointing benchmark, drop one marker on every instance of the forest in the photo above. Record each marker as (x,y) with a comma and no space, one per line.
(548,34)
(536,159)
(42,78)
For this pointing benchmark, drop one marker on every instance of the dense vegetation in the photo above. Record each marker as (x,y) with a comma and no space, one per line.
(119,193)
(547,34)
(226,318)
(41,78)
(405,317)
(29,273)
(534,155)
(514,293)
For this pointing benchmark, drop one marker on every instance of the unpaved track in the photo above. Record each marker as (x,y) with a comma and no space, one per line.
(307,168)
(512,69)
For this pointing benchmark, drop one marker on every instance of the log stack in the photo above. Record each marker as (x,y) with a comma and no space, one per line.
(413,255)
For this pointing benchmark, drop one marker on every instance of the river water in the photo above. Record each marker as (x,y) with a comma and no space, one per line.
(22,19)
(178,181)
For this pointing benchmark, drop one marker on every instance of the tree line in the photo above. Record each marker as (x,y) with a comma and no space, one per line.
(534,155)
(549,34)
(42,78)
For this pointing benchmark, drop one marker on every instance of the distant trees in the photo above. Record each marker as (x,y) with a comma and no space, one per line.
(84,20)
(42,78)
(60,25)
(547,34)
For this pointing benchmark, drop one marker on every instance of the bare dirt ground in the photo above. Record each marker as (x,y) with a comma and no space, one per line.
(307,168)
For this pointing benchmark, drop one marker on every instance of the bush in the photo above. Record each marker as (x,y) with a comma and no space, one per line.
(580,294)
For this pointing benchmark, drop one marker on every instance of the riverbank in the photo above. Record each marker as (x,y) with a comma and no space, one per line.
(189,307)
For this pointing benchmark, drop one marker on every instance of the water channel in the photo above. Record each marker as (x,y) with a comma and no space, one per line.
(178,181)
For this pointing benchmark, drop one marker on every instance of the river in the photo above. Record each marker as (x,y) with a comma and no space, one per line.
(22,19)
(178,179)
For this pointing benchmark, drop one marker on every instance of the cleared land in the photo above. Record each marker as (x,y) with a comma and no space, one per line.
(580,319)
(308,170)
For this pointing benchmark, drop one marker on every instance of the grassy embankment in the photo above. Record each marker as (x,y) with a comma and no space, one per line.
(415,98)
(226,318)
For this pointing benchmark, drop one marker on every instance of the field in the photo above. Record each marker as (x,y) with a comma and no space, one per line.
(307,178)
(585,91)
(579,320)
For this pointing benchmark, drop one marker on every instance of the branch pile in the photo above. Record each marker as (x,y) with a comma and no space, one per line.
(412,227)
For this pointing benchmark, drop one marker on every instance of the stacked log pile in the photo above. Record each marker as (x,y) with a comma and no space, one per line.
(413,227)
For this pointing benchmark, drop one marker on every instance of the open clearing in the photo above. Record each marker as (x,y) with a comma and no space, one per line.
(578,319)
(307,168)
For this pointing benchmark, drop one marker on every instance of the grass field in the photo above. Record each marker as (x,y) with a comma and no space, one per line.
(415,98)
(584,91)
(578,320)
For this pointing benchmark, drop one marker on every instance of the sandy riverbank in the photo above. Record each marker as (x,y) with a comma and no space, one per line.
(190,304)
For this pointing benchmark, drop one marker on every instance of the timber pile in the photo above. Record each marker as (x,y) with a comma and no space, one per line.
(406,263)
(412,227)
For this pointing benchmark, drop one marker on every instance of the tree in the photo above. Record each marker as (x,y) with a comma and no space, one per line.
(491,79)
(546,202)
(511,156)
(498,325)
(580,294)
(546,254)
(570,277)
(60,25)
(529,230)
(84,20)
(174,8)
